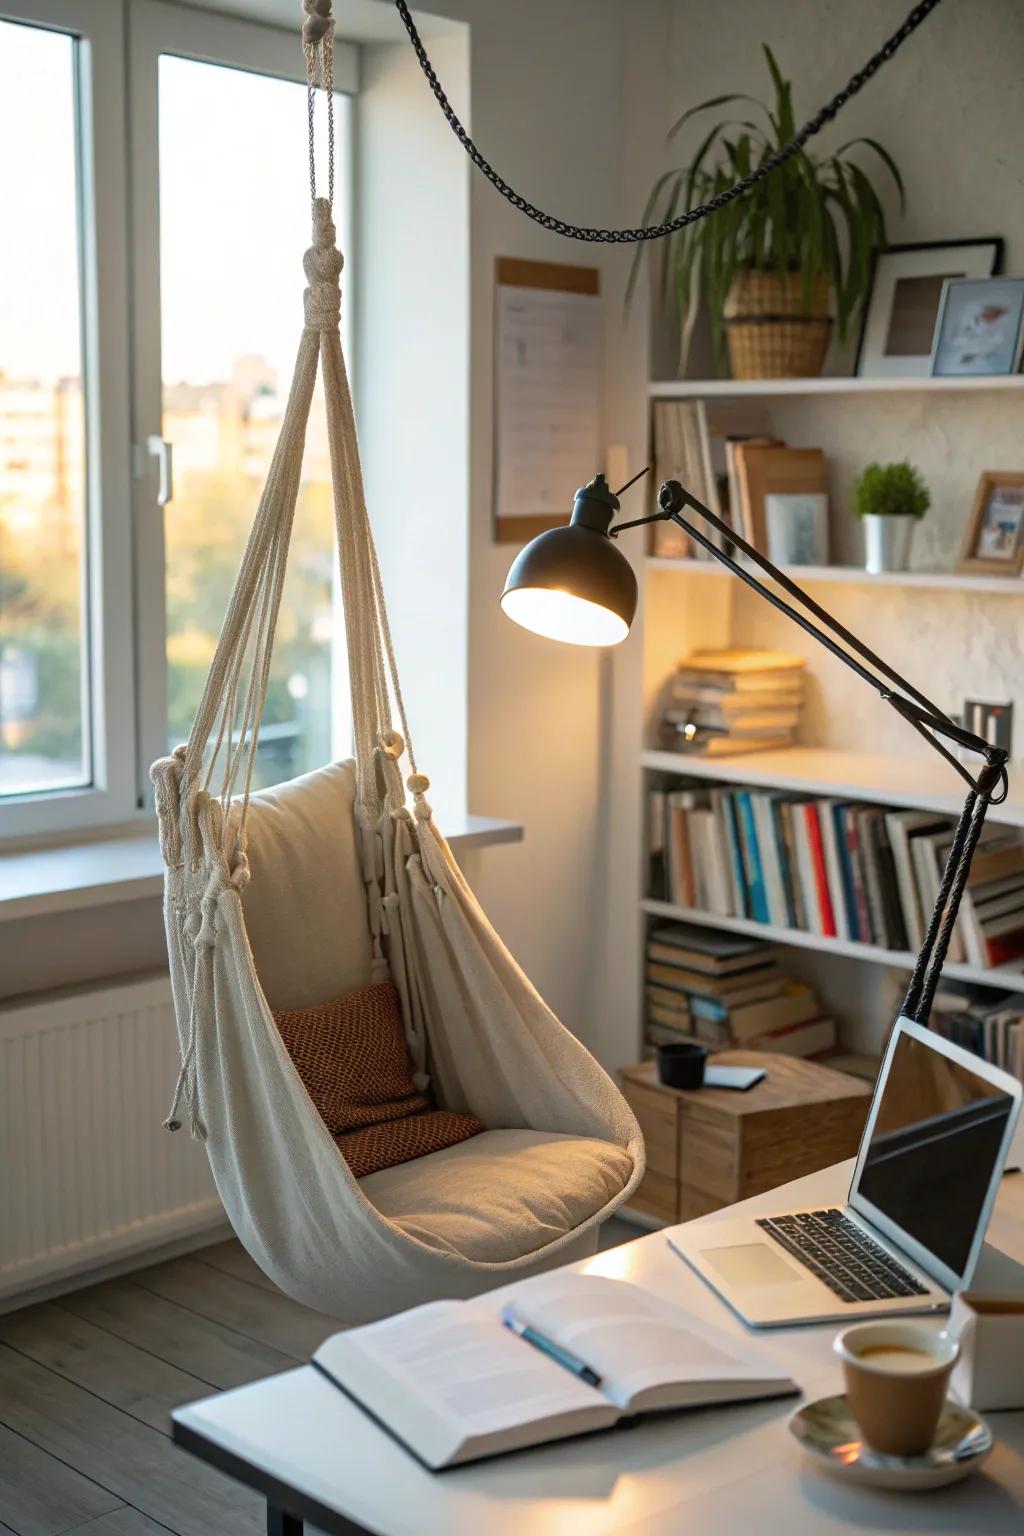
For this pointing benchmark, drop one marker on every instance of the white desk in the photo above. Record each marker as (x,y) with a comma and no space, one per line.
(718,1472)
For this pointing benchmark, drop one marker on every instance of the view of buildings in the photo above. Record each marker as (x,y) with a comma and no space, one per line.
(223,435)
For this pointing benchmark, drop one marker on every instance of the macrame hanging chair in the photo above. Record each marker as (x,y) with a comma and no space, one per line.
(289,898)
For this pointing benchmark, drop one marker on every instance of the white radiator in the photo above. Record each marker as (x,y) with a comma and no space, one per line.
(88,1175)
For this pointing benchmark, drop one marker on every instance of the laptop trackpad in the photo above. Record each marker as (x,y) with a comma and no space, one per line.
(751,1264)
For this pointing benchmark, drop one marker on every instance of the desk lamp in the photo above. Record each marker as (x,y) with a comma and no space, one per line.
(573,584)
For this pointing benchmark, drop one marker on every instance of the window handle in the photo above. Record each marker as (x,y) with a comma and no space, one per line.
(163,451)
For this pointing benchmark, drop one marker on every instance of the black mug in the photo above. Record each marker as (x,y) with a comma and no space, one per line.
(681,1064)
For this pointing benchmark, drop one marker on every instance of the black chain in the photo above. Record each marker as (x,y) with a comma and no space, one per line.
(657,231)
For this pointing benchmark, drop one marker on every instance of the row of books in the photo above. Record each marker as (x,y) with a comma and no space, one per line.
(727,990)
(991,1024)
(724,452)
(728,701)
(832,867)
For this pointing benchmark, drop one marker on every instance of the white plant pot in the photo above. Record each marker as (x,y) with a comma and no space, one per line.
(887,542)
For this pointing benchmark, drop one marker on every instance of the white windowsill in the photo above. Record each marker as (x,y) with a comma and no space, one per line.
(41,881)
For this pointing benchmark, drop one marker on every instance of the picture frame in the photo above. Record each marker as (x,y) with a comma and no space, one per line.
(898,328)
(980,328)
(993,542)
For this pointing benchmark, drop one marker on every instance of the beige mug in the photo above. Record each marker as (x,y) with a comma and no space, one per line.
(897,1375)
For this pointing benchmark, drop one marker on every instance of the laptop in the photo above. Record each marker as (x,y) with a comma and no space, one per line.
(931,1157)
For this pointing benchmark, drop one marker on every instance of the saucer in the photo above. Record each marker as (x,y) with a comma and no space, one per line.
(828,1431)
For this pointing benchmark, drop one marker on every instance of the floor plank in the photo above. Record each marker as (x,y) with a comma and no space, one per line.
(39,1495)
(121,1374)
(137,1463)
(122,1522)
(232,1258)
(216,1354)
(272,1319)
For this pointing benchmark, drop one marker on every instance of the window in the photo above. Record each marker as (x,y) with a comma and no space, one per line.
(167,317)
(231,311)
(44,651)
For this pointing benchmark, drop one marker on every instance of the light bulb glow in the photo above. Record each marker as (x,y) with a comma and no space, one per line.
(560,615)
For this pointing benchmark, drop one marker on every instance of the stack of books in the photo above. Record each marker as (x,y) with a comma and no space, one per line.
(727,991)
(719,703)
(991,1024)
(836,868)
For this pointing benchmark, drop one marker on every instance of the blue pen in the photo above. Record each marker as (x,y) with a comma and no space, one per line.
(563,1357)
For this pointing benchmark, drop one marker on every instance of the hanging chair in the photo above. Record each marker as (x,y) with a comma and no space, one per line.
(288,899)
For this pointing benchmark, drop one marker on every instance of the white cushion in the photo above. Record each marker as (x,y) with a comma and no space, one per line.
(305,904)
(501,1194)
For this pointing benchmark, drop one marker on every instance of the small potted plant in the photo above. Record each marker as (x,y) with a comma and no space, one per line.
(768,264)
(889,499)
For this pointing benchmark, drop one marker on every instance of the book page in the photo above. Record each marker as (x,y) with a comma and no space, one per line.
(447,1374)
(640,1344)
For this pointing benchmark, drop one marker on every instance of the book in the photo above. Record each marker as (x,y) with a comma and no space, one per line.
(739,667)
(808,1038)
(903,826)
(454,1385)
(796,1004)
(705,949)
(689,983)
(766,469)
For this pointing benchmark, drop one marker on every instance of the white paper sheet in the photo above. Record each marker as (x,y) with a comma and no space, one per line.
(547,400)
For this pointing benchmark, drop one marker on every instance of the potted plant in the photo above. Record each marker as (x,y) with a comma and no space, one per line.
(889,499)
(766,263)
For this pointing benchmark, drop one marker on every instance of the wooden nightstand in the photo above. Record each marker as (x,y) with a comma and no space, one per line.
(709,1147)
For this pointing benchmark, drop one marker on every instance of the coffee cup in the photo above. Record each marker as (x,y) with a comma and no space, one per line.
(896,1376)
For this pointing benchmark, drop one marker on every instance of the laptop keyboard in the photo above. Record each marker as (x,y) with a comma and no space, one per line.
(839,1252)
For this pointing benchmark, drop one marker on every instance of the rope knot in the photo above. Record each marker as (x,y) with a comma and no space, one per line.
(322,264)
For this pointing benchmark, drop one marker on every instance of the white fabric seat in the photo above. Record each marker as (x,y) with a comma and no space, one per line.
(292,897)
(500,1195)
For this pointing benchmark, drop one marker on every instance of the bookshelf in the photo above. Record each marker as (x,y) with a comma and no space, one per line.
(746,389)
(812,575)
(957,635)
(917,783)
(1010,980)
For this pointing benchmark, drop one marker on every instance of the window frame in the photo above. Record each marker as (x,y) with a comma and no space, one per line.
(165,27)
(119,43)
(109,723)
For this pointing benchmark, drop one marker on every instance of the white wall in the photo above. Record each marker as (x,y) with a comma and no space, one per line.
(548,108)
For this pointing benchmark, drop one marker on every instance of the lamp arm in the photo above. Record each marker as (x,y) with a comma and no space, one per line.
(910,703)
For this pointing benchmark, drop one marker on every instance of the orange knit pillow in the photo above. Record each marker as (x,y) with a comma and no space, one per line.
(352,1057)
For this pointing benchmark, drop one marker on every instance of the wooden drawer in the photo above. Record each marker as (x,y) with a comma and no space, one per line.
(656,1113)
(657,1195)
(709,1159)
(693,1203)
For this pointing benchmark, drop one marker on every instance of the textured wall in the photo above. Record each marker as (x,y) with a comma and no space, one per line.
(950,109)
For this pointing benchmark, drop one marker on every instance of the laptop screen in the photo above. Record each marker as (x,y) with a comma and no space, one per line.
(933,1149)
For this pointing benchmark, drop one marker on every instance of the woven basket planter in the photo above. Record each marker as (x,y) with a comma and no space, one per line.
(772,333)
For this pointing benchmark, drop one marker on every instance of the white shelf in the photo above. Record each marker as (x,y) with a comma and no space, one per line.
(904,781)
(806,575)
(901,960)
(689,389)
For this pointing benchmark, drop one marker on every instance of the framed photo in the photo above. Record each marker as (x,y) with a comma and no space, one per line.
(906,291)
(979,328)
(994,541)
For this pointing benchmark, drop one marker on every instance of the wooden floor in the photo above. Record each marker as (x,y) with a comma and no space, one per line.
(87,1384)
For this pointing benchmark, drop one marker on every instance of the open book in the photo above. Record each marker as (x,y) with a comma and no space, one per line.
(454,1384)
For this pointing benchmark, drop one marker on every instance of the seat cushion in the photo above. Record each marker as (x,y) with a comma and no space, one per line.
(502,1194)
(305,905)
(354,1062)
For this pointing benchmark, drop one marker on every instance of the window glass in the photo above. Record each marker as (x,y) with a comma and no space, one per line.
(44,735)
(234,222)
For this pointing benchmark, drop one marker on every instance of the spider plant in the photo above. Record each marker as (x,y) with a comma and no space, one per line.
(819,218)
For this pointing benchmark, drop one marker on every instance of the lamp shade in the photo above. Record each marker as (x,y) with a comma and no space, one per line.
(572,583)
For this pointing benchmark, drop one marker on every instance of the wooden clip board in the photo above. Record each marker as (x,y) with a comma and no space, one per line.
(547,392)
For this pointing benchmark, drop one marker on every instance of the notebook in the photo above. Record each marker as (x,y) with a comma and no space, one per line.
(454,1384)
